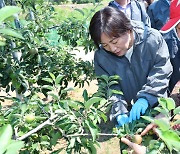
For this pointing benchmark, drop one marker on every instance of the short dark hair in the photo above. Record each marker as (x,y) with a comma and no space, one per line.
(110,21)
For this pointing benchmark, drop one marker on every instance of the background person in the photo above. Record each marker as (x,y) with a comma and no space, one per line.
(171,34)
(134,10)
(158,12)
(138,54)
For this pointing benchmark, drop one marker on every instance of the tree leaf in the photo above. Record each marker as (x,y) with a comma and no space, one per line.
(48,87)
(71,103)
(92,148)
(170,104)
(148,118)
(52,76)
(162,102)
(171,138)
(92,129)
(117,92)
(5,137)
(112,83)
(162,110)
(177,110)
(58,79)
(85,95)
(162,123)
(14,147)
(114,77)
(10,32)
(56,97)
(8,11)
(91,101)
(48,80)
(2,43)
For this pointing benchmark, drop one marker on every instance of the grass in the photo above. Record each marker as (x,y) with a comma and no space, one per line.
(78,11)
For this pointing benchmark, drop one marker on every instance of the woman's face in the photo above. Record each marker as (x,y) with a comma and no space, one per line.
(119,46)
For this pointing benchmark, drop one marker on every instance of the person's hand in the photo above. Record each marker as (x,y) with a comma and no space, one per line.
(138,149)
(122,119)
(138,108)
(151,126)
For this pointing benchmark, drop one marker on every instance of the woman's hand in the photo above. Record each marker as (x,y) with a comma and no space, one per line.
(138,109)
(138,149)
(151,126)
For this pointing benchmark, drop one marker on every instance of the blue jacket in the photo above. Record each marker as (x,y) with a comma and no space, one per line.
(173,43)
(145,75)
(138,12)
(158,12)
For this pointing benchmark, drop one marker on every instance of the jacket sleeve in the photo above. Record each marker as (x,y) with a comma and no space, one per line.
(159,75)
(151,16)
(145,16)
(119,105)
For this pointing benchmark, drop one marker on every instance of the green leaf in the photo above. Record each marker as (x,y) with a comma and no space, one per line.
(103,77)
(57,151)
(8,11)
(171,138)
(58,79)
(48,80)
(52,76)
(23,108)
(92,129)
(2,43)
(85,95)
(177,110)
(117,92)
(92,148)
(56,97)
(164,111)
(55,137)
(148,118)
(11,32)
(14,147)
(162,102)
(48,87)
(5,137)
(72,143)
(102,103)
(162,123)
(71,103)
(112,83)
(170,104)
(91,101)
(114,77)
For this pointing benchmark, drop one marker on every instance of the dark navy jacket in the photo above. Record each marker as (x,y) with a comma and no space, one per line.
(158,12)
(173,43)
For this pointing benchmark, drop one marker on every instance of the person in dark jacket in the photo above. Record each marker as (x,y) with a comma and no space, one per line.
(134,10)
(138,54)
(158,12)
(171,34)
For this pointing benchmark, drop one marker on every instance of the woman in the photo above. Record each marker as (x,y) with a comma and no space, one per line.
(138,54)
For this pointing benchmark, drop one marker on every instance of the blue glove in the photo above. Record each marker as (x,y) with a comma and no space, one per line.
(122,119)
(138,108)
